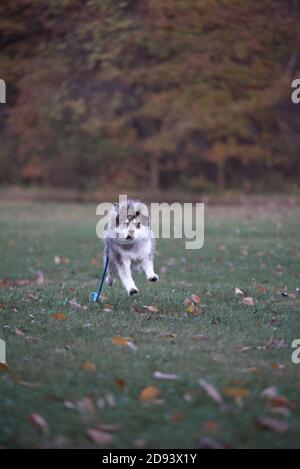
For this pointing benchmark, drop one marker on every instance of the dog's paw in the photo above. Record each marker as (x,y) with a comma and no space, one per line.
(133,291)
(153,278)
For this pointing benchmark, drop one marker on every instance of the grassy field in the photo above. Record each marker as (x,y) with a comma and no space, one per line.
(68,365)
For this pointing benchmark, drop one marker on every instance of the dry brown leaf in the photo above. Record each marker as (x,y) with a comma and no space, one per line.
(178,417)
(248,300)
(86,407)
(269,423)
(120,383)
(124,341)
(187,302)
(73,303)
(39,422)
(269,393)
(150,393)
(209,443)
(212,392)
(195,298)
(281,401)
(60,316)
(211,426)
(89,366)
(99,437)
(236,393)
(4,367)
(152,308)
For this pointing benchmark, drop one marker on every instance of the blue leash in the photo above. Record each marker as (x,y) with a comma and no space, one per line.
(94,296)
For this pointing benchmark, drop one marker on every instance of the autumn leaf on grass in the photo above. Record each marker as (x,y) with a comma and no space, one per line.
(212,392)
(191,309)
(269,423)
(86,408)
(40,278)
(18,332)
(211,426)
(60,316)
(149,394)
(4,367)
(61,260)
(89,366)
(195,298)
(73,303)
(237,291)
(124,341)
(210,443)
(269,393)
(151,308)
(159,375)
(39,422)
(99,437)
(237,394)
(248,300)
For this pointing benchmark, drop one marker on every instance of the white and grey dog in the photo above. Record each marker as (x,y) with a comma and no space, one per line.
(129,244)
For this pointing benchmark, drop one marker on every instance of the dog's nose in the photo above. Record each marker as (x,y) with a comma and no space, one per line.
(129,236)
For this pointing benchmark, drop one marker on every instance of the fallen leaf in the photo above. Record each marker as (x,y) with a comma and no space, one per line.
(109,427)
(236,393)
(151,308)
(40,278)
(237,291)
(60,316)
(61,260)
(187,302)
(120,383)
(211,426)
(269,423)
(86,407)
(89,366)
(39,422)
(4,367)
(248,300)
(74,303)
(150,393)
(178,417)
(18,332)
(159,375)
(209,443)
(280,401)
(191,309)
(124,341)
(99,437)
(195,298)
(212,392)
(277,366)
(110,399)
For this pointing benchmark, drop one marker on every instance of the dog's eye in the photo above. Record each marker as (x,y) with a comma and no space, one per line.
(137,213)
(138,225)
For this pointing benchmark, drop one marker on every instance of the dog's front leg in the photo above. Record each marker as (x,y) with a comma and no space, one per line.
(126,277)
(147,266)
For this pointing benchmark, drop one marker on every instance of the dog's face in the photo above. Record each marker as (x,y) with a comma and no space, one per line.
(129,223)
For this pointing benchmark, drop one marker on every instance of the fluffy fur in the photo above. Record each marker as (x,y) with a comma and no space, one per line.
(129,244)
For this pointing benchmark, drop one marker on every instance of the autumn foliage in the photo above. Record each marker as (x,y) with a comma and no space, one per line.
(193,94)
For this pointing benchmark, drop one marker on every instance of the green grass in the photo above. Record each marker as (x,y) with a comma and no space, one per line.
(253,248)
